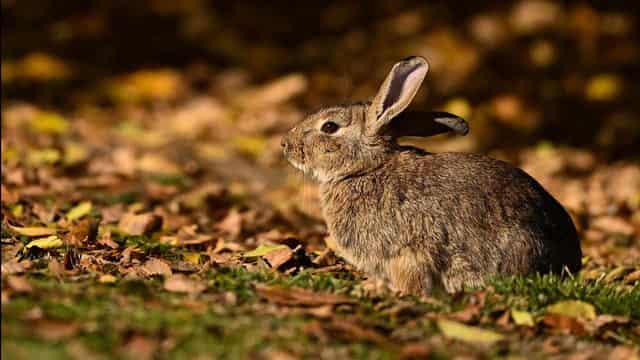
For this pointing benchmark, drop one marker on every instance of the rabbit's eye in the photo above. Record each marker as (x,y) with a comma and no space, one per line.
(329,127)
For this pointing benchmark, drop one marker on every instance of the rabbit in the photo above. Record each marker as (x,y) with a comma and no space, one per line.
(421,221)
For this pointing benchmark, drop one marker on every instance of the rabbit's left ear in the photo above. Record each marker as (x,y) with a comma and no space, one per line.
(396,92)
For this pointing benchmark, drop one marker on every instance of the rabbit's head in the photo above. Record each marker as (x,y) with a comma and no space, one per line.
(341,141)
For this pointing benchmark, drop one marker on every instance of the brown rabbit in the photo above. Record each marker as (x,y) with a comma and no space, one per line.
(419,220)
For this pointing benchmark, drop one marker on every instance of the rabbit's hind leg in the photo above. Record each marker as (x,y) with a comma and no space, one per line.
(408,273)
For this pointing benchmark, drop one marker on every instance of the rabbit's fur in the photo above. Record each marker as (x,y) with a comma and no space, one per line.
(420,220)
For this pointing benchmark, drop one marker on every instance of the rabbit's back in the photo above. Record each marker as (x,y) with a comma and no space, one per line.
(449,219)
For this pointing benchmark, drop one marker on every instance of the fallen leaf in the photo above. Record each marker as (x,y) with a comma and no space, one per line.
(264,249)
(79,210)
(354,331)
(49,242)
(467,314)
(278,257)
(182,284)
(140,347)
(15,267)
(632,277)
(140,224)
(458,331)
(55,268)
(32,231)
(51,123)
(19,284)
(55,330)
(231,224)
(522,318)
(300,297)
(416,350)
(107,279)
(573,308)
(565,324)
(156,266)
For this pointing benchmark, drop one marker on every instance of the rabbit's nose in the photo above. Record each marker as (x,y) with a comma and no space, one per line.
(283,142)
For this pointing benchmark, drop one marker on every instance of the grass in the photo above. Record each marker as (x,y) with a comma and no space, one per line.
(109,315)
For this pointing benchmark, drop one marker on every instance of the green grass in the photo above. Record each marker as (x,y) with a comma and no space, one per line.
(110,314)
(542,290)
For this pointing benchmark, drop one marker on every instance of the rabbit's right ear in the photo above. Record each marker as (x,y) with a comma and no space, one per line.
(396,92)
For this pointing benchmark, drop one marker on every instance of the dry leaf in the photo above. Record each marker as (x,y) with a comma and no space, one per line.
(182,284)
(140,224)
(19,284)
(55,330)
(107,279)
(573,308)
(55,268)
(278,257)
(565,324)
(416,350)
(300,297)
(49,242)
(458,331)
(522,318)
(156,266)
(79,210)
(32,231)
(353,331)
(15,266)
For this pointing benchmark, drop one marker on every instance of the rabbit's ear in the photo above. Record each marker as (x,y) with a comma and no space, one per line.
(425,123)
(396,92)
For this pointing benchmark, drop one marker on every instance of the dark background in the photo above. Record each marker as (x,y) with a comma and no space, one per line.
(485,53)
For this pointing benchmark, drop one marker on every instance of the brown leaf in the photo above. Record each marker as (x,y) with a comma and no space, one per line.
(182,284)
(606,320)
(565,324)
(19,284)
(278,257)
(85,231)
(467,314)
(140,347)
(632,277)
(613,224)
(15,267)
(416,350)
(140,224)
(300,297)
(351,330)
(231,224)
(55,330)
(55,268)
(156,266)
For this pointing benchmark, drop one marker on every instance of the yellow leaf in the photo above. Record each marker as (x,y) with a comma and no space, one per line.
(250,145)
(192,257)
(573,308)
(522,318)
(263,250)
(458,331)
(49,242)
(79,210)
(48,122)
(17,210)
(604,87)
(107,279)
(32,231)
(459,106)
(44,156)
(43,67)
(74,153)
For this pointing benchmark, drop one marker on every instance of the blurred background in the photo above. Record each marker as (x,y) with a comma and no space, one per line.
(108,94)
